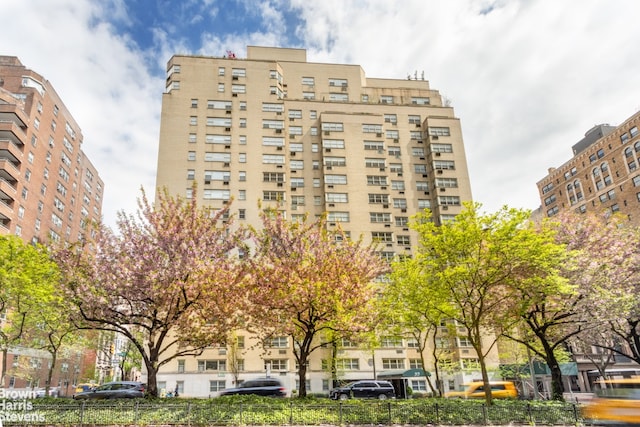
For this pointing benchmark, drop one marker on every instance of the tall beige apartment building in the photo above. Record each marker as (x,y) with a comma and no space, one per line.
(49,190)
(316,138)
(603,176)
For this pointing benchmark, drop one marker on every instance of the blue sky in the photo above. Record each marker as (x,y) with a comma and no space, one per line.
(527,78)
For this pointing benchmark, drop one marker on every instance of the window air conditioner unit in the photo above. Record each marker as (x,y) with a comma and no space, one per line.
(442,190)
(426,192)
(278,113)
(330,186)
(278,130)
(382,169)
(279,184)
(396,140)
(293,153)
(401,192)
(293,188)
(327,150)
(234,78)
(226,165)
(329,167)
(439,171)
(389,245)
(419,141)
(225,182)
(291,119)
(438,154)
(387,225)
(224,202)
(279,166)
(445,208)
(227,147)
(434,136)
(403,210)
(278,148)
(417,125)
(399,173)
(227,129)
(207,182)
(424,175)
(421,158)
(235,95)
(385,206)
(383,187)
(405,229)
(379,135)
(326,132)
(228,111)
(332,205)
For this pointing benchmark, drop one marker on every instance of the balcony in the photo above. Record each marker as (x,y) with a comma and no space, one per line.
(8,170)
(10,151)
(9,130)
(8,187)
(6,211)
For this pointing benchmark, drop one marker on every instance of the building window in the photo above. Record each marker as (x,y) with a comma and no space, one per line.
(380,217)
(212,365)
(276,364)
(279,342)
(215,386)
(181,365)
(392,363)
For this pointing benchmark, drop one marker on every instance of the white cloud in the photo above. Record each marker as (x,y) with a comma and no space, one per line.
(103,81)
(527,78)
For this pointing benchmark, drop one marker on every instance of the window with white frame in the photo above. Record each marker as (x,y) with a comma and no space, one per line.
(334,161)
(212,365)
(380,217)
(374,145)
(279,342)
(212,194)
(277,364)
(332,127)
(272,107)
(273,141)
(276,159)
(378,198)
(439,131)
(332,143)
(338,97)
(238,89)
(392,363)
(216,385)
(295,114)
(338,216)
(376,180)
(336,197)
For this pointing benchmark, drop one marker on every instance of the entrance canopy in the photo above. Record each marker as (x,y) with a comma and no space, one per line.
(401,373)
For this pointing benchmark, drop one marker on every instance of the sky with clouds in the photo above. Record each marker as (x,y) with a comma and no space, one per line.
(527,78)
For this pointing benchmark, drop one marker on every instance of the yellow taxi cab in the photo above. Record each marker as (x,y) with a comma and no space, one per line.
(475,390)
(616,402)
(84,387)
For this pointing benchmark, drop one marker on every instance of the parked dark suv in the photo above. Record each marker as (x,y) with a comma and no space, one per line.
(364,389)
(260,386)
(113,390)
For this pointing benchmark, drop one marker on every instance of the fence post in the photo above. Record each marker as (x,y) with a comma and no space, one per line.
(575,413)
(241,422)
(339,412)
(188,413)
(82,413)
(136,413)
(437,413)
(484,414)
(291,412)
(529,413)
(389,411)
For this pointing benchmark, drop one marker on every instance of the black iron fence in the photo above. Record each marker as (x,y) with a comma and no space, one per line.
(290,412)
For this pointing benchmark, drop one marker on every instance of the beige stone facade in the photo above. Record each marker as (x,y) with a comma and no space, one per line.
(48,187)
(316,138)
(603,176)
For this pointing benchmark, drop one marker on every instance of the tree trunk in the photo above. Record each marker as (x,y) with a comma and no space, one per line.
(54,359)
(302,374)
(5,353)
(152,372)
(485,377)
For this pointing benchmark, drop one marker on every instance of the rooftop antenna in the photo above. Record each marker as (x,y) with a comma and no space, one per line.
(422,74)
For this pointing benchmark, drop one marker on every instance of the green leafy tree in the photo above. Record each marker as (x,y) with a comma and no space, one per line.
(478,261)
(413,307)
(597,262)
(168,281)
(305,284)
(27,281)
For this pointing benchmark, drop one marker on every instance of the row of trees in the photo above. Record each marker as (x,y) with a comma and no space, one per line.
(177,278)
(570,283)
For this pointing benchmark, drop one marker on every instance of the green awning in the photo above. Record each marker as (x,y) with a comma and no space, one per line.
(401,373)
